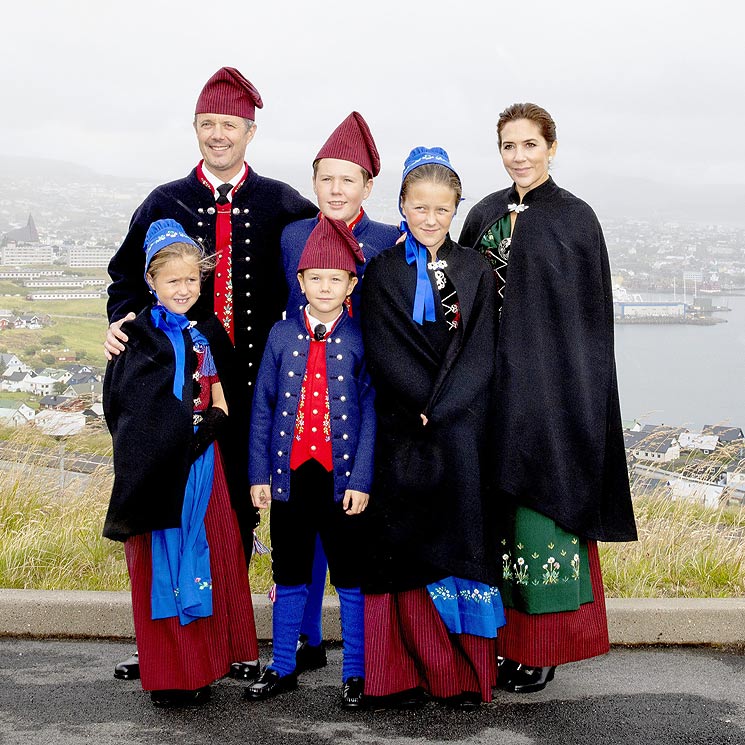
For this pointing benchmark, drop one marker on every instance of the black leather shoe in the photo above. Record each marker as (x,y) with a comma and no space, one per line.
(506,671)
(270,683)
(245,670)
(308,657)
(177,697)
(129,669)
(351,692)
(530,679)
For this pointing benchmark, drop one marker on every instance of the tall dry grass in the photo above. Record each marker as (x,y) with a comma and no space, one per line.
(50,538)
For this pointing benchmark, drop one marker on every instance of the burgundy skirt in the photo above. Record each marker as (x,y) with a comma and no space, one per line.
(547,639)
(189,657)
(407,646)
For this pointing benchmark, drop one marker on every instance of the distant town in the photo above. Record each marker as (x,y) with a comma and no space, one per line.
(56,243)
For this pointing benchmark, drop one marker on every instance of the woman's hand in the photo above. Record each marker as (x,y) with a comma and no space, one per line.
(354,501)
(424,420)
(261,496)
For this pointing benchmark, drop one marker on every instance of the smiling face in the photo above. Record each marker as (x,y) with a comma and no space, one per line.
(176,282)
(429,208)
(222,141)
(340,188)
(525,154)
(326,290)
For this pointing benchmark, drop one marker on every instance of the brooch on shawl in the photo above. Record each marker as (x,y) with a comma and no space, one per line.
(439,264)
(517,207)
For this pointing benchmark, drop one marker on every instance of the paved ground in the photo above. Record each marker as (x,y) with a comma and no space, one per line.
(63,692)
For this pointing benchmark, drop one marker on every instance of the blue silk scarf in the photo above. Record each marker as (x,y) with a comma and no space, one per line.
(424,298)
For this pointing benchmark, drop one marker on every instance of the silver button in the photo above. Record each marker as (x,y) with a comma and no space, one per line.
(295,353)
(200,210)
(236,211)
(315,393)
(318,375)
(300,336)
(250,346)
(291,374)
(247,225)
(345,436)
(313,447)
(339,356)
(346,456)
(344,417)
(245,211)
(250,364)
(337,340)
(282,433)
(342,398)
(287,394)
(279,470)
(247,241)
(279,491)
(199,224)
(347,474)
(284,413)
(248,328)
(279,453)
(211,210)
(217,294)
(314,429)
(248,312)
(315,411)
(340,378)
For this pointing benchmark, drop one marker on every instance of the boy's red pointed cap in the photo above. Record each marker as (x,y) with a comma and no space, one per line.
(353,141)
(331,245)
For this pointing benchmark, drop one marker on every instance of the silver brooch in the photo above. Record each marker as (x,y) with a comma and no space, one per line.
(517,207)
(439,264)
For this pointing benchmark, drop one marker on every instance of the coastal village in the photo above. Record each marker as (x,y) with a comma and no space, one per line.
(59,254)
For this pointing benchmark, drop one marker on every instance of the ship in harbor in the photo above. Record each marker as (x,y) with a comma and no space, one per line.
(631,308)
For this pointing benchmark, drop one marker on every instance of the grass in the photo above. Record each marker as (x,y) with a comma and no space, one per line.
(51,538)
(81,324)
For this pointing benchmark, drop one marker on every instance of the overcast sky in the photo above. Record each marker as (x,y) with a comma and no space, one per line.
(650,89)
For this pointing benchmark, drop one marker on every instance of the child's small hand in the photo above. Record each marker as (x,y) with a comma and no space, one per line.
(424,419)
(354,501)
(261,496)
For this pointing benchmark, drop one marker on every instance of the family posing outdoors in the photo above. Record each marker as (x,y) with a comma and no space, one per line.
(436,424)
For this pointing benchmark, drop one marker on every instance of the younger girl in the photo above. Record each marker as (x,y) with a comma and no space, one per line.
(164,405)
(428,322)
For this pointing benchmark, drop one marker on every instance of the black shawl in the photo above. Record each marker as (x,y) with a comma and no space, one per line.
(152,430)
(559,445)
(427,505)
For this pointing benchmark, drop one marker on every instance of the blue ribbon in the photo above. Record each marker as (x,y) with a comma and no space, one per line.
(173,324)
(424,298)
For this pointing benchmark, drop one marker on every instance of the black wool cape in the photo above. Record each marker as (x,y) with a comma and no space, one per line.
(151,430)
(428,508)
(559,447)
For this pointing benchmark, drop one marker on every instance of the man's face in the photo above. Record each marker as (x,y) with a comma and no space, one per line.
(222,141)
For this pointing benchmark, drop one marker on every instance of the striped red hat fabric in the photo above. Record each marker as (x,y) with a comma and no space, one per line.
(331,245)
(353,141)
(228,92)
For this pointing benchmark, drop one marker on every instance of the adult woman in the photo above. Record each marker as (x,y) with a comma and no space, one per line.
(428,322)
(559,445)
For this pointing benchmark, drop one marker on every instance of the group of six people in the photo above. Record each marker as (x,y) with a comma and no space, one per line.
(436,422)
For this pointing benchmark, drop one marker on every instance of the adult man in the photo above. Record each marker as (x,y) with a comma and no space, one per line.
(238,215)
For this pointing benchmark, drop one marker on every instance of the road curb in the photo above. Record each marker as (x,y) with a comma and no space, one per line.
(108,615)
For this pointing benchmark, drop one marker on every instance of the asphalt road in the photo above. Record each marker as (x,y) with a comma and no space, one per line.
(63,692)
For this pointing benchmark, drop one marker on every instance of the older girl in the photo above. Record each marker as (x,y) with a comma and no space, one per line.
(428,321)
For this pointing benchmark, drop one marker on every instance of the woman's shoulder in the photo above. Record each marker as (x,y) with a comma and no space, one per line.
(491,201)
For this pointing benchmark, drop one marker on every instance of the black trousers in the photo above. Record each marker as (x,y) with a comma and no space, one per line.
(311,511)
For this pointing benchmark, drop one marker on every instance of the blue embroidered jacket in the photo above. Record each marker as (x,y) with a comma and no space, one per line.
(373,237)
(275,406)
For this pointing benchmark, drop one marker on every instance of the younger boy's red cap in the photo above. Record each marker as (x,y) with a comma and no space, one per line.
(353,141)
(228,92)
(331,245)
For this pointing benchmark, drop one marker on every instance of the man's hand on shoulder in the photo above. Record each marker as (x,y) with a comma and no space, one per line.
(115,337)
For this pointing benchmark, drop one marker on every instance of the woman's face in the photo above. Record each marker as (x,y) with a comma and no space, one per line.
(525,154)
(429,209)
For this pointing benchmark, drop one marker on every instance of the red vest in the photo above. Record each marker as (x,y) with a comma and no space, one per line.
(312,437)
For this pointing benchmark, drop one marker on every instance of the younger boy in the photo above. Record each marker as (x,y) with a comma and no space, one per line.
(311,453)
